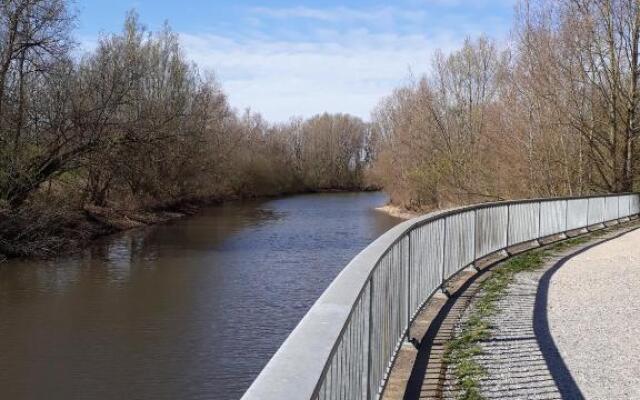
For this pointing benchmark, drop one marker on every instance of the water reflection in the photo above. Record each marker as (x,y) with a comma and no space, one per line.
(190,309)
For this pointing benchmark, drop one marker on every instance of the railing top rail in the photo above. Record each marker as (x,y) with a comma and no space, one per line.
(298,365)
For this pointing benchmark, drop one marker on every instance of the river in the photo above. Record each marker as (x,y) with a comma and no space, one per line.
(192,309)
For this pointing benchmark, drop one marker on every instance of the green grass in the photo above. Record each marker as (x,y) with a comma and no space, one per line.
(461,349)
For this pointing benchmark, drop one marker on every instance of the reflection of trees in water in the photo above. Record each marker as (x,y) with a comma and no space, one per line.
(205,231)
(27,278)
(113,259)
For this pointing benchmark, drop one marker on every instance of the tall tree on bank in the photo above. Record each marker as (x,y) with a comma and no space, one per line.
(438,136)
(581,58)
(34,69)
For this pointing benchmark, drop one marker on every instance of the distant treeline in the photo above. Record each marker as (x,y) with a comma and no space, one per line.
(553,112)
(132,125)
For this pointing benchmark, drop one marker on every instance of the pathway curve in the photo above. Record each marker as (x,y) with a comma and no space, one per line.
(594,318)
(570,330)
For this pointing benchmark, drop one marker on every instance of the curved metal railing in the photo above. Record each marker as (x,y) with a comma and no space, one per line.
(344,347)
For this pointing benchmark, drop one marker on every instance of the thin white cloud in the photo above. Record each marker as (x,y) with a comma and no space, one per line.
(337,59)
(466,3)
(341,14)
(281,78)
(304,60)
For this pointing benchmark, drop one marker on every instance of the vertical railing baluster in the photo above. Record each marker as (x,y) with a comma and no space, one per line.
(508,224)
(409,308)
(444,251)
(618,198)
(475,227)
(566,215)
(538,235)
(588,211)
(369,332)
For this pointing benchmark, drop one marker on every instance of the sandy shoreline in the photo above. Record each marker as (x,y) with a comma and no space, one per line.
(397,212)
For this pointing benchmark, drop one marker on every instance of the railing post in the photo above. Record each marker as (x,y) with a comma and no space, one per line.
(409,287)
(566,216)
(508,224)
(370,330)
(475,229)
(588,210)
(444,251)
(539,220)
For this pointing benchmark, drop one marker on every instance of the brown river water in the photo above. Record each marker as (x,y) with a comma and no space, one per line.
(192,309)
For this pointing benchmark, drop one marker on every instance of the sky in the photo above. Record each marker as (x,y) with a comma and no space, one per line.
(287,58)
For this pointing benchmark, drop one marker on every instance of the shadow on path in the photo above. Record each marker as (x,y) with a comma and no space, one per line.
(565,383)
(416,379)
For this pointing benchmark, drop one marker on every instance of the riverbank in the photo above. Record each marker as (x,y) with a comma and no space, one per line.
(38,233)
(397,212)
(57,229)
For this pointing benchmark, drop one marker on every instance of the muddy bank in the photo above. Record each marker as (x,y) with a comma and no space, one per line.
(398,212)
(38,233)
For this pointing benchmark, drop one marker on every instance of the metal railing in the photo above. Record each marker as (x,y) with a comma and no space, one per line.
(344,347)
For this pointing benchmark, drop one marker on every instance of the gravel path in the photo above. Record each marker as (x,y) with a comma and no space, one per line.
(570,330)
(514,364)
(594,318)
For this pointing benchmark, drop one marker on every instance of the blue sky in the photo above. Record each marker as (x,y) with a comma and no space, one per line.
(298,58)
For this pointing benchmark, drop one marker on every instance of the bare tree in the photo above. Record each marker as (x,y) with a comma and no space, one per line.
(34,48)
(582,60)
